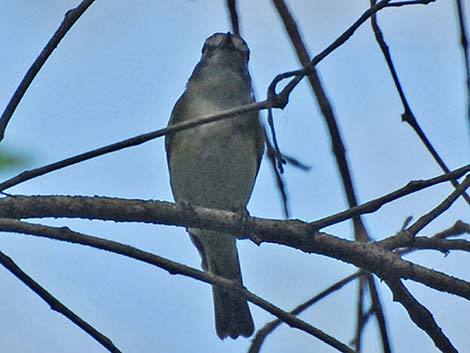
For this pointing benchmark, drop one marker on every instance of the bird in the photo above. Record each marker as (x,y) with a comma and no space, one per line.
(215,165)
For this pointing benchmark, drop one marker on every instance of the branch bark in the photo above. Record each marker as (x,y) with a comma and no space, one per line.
(295,234)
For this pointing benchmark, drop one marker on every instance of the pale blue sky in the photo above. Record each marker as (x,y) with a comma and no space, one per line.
(118,73)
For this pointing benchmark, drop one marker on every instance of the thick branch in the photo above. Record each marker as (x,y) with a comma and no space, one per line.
(295,234)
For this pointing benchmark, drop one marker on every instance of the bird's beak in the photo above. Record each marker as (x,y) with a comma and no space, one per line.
(228,42)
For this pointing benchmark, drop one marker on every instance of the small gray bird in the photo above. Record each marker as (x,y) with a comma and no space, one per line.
(215,165)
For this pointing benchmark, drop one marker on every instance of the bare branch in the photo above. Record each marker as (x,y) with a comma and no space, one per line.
(424,220)
(412,2)
(281,99)
(374,205)
(456,229)
(372,257)
(134,141)
(272,154)
(234,19)
(70,18)
(360,317)
(408,115)
(421,316)
(442,245)
(377,309)
(65,234)
(55,304)
(267,329)
(406,237)
(439,242)
(327,111)
(466,56)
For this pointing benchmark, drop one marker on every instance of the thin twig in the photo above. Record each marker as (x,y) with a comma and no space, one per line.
(281,99)
(134,141)
(65,234)
(327,112)
(466,57)
(273,157)
(408,115)
(70,18)
(374,205)
(412,2)
(424,220)
(377,309)
(267,329)
(439,240)
(421,316)
(458,228)
(360,322)
(55,304)
(406,237)
(275,145)
(234,19)
(442,245)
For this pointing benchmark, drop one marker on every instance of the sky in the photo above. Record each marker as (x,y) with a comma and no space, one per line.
(118,73)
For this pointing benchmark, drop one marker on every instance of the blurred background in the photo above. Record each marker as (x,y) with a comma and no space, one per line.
(118,73)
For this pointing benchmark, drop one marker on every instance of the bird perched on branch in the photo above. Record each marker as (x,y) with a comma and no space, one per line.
(215,165)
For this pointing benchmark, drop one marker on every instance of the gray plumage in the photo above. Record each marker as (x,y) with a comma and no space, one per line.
(215,165)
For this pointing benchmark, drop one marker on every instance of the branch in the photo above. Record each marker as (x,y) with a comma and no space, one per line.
(424,220)
(421,316)
(379,314)
(295,234)
(234,20)
(406,237)
(267,329)
(276,159)
(70,18)
(442,245)
(281,99)
(360,318)
(466,57)
(408,115)
(439,242)
(456,229)
(65,234)
(412,2)
(55,304)
(327,112)
(374,205)
(134,141)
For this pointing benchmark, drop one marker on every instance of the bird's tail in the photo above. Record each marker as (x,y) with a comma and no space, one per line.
(220,256)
